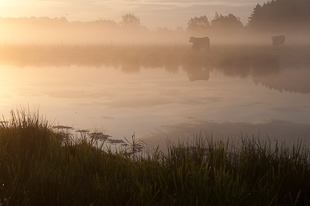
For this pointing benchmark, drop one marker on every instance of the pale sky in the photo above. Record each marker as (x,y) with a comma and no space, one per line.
(152,13)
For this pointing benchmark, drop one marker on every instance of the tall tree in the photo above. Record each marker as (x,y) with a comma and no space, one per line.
(130,20)
(229,22)
(256,17)
(198,24)
(281,14)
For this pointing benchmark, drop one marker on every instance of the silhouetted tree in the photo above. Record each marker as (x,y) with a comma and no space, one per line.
(280,14)
(256,17)
(226,22)
(63,19)
(198,24)
(106,21)
(130,20)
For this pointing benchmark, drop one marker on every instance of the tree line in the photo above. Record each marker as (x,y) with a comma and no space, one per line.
(285,14)
(220,23)
(275,15)
(127,20)
(271,16)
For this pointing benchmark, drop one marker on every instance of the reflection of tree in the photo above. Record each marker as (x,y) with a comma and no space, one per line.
(264,65)
(243,61)
(201,74)
(244,65)
(234,65)
(131,68)
(232,61)
(290,80)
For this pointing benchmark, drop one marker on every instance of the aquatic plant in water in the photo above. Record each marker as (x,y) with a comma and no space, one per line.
(135,146)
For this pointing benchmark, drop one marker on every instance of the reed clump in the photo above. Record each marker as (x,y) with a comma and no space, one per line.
(39,166)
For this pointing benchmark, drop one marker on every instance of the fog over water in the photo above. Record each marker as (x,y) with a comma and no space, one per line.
(163,91)
(59,31)
(217,77)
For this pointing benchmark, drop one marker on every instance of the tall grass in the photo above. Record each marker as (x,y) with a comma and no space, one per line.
(39,166)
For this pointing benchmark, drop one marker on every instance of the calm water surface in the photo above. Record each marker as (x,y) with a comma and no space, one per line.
(157,103)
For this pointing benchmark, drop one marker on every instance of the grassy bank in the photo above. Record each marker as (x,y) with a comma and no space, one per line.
(41,167)
(132,57)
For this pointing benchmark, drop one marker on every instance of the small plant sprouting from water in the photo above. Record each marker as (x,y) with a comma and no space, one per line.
(135,146)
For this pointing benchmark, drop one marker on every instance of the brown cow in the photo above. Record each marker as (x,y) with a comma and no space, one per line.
(199,43)
(278,40)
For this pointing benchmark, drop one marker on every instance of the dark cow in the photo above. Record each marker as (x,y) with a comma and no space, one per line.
(278,40)
(199,43)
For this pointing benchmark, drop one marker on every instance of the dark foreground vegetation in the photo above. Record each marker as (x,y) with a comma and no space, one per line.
(41,167)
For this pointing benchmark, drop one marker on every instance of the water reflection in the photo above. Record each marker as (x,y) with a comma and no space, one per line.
(287,80)
(162,91)
(198,74)
(260,63)
(282,131)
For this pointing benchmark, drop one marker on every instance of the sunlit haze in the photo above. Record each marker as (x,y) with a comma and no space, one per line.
(153,14)
(154,102)
(159,69)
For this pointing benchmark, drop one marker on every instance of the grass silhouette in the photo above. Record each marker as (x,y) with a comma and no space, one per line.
(39,166)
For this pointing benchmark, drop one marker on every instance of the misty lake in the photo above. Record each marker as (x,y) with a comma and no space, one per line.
(164,102)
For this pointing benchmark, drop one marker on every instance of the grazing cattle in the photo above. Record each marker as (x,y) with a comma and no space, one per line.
(199,43)
(278,40)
